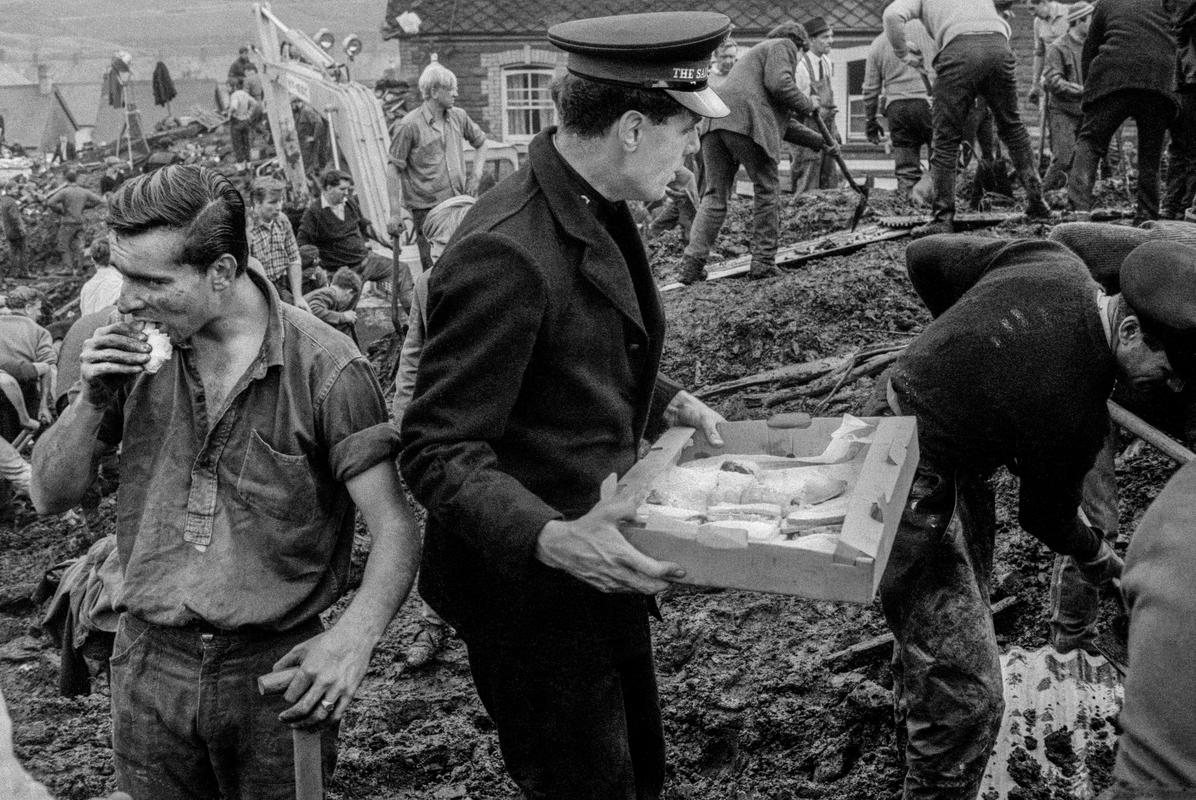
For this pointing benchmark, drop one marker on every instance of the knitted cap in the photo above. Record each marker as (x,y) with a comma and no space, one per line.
(1158,281)
(1103,246)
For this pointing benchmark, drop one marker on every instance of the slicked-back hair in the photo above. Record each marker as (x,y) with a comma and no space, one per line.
(196,201)
(793,31)
(588,108)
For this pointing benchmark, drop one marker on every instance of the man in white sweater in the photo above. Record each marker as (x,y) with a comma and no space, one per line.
(974,60)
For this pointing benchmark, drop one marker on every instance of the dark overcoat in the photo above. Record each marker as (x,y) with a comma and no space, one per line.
(536,382)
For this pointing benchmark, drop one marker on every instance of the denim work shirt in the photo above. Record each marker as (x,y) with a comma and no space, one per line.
(429,153)
(238,517)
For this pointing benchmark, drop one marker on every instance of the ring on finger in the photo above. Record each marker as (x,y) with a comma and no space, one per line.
(327,705)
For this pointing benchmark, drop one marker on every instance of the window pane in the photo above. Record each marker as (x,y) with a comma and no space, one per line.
(527,102)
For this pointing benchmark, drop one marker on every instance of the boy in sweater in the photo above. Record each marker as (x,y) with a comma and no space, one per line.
(336,303)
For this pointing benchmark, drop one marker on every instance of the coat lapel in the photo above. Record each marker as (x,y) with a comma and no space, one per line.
(602,261)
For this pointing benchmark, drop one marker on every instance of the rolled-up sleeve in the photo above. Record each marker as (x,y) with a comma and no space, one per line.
(486,305)
(353,420)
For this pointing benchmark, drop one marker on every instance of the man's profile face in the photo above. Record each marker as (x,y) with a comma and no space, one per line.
(1081,28)
(156,288)
(726,60)
(648,170)
(820,45)
(1141,360)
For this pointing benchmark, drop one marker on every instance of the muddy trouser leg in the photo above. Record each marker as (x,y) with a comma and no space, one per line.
(1000,92)
(1102,118)
(828,169)
(909,127)
(1153,113)
(418,215)
(1075,603)
(946,668)
(766,217)
(1181,158)
(1064,127)
(719,167)
(954,97)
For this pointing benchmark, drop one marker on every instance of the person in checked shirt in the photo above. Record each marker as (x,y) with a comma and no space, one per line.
(272,242)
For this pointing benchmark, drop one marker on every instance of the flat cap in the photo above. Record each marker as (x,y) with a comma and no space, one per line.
(1158,281)
(667,50)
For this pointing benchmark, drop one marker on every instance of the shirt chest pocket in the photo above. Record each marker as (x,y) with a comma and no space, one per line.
(277,484)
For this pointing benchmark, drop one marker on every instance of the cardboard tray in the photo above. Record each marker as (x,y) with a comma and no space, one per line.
(718,554)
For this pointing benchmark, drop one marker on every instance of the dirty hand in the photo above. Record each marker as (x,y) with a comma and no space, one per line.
(873,131)
(913,58)
(400,225)
(330,667)
(1035,94)
(1103,567)
(472,184)
(349,316)
(685,409)
(112,355)
(592,549)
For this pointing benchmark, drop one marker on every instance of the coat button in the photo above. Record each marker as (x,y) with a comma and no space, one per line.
(634,348)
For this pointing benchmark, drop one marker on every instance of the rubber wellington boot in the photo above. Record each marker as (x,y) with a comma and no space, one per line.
(691,271)
(943,205)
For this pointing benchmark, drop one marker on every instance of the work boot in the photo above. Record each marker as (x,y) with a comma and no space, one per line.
(426,644)
(760,271)
(692,270)
(943,205)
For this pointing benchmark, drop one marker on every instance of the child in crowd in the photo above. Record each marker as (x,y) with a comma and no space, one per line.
(335,304)
(438,228)
(313,274)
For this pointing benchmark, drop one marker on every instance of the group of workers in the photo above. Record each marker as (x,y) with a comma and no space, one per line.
(531,373)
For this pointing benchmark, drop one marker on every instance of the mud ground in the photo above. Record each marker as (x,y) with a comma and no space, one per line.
(751,706)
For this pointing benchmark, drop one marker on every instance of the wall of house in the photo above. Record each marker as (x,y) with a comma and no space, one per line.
(478,62)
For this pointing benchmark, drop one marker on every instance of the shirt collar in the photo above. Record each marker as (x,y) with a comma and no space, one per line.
(272,345)
(432,114)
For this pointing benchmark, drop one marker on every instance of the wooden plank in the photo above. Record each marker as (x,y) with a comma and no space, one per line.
(835,244)
(1150,434)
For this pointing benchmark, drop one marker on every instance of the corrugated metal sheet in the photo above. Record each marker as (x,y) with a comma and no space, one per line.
(1059,730)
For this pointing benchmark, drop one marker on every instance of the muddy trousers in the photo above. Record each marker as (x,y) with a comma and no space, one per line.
(722,154)
(188,722)
(971,66)
(910,128)
(1153,113)
(946,667)
(578,717)
(1075,603)
(1064,128)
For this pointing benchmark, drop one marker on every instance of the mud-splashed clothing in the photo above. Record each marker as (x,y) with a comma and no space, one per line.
(1014,371)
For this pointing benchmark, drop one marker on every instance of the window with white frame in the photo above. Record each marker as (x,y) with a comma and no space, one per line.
(526,102)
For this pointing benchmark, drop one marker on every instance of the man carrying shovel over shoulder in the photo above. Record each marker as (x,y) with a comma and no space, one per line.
(243,456)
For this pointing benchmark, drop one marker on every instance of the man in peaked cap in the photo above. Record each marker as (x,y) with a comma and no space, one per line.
(1015,371)
(537,380)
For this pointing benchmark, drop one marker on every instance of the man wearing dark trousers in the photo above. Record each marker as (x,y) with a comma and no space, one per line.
(974,60)
(1014,371)
(1181,151)
(536,381)
(762,95)
(906,91)
(1129,71)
